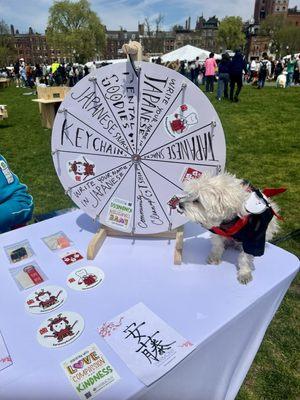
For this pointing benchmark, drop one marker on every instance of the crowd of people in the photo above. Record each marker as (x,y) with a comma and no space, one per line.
(231,72)
(56,74)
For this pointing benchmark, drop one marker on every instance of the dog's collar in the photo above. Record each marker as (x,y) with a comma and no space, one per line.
(230,228)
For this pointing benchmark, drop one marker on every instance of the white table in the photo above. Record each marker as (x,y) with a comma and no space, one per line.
(204,303)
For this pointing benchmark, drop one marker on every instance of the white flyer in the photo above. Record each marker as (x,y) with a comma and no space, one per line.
(89,372)
(5,359)
(147,345)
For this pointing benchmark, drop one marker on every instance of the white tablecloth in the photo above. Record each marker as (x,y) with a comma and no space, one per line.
(205,304)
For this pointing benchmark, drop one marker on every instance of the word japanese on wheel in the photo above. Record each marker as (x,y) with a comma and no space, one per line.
(125,140)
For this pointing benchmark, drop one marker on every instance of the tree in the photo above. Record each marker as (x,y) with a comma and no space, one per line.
(158,24)
(7,49)
(153,42)
(230,33)
(75,29)
(284,37)
(288,39)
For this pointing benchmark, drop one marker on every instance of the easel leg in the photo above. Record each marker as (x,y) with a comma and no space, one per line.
(178,246)
(96,243)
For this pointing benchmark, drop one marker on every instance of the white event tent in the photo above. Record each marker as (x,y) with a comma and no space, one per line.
(187,53)
(116,61)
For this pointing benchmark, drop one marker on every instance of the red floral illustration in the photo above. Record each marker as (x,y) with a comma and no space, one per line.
(186,344)
(108,327)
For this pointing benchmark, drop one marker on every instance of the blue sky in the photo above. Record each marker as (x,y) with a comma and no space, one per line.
(126,13)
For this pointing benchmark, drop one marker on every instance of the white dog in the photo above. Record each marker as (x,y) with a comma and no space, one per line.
(235,212)
(281,80)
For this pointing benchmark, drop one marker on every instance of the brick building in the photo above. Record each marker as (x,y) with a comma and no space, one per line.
(115,41)
(293,16)
(161,42)
(256,43)
(33,48)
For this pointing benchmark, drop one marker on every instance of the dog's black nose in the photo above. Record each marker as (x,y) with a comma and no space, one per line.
(181,206)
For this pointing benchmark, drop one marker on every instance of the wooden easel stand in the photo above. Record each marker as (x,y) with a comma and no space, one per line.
(99,238)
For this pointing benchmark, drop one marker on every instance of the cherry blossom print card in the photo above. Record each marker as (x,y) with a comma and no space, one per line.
(147,344)
(45,299)
(5,359)
(57,241)
(60,329)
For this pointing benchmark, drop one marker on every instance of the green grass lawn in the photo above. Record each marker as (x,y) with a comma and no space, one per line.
(262,135)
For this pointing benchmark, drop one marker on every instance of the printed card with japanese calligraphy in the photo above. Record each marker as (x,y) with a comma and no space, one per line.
(147,344)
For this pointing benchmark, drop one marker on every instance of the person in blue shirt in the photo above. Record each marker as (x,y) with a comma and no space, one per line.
(16,204)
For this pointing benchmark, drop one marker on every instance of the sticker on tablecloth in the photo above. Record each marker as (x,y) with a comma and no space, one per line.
(5,358)
(85,278)
(119,213)
(60,330)
(45,299)
(181,120)
(28,276)
(147,345)
(71,257)
(89,372)
(190,173)
(57,241)
(19,251)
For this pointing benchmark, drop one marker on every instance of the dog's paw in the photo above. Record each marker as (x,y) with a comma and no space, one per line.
(213,259)
(244,277)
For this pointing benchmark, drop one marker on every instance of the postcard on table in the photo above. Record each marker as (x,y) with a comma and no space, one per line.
(89,372)
(148,346)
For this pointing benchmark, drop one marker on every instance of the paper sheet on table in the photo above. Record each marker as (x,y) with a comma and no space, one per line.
(5,359)
(148,346)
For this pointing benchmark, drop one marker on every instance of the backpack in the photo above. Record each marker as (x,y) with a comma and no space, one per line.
(263,66)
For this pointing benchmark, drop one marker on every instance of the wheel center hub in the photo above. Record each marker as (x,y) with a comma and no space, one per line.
(136,158)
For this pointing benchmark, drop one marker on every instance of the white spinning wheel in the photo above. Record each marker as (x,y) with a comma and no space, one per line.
(123,143)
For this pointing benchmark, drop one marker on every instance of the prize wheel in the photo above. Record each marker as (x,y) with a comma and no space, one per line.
(124,141)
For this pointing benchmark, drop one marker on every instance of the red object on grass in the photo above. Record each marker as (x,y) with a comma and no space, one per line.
(270,192)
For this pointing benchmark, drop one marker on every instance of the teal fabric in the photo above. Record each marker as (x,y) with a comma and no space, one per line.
(16,205)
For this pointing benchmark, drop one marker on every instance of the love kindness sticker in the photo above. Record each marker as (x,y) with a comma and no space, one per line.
(85,278)
(89,372)
(45,299)
(60,330)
